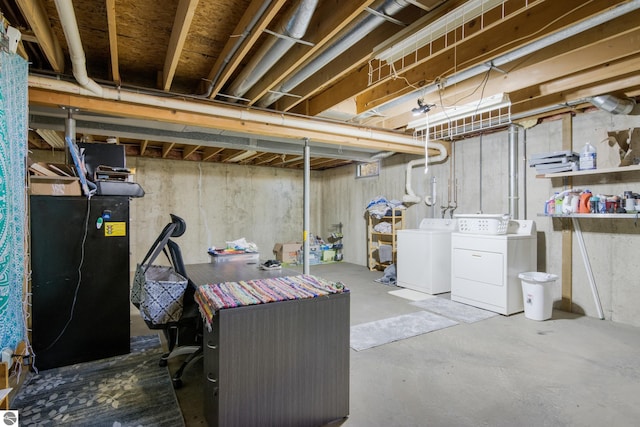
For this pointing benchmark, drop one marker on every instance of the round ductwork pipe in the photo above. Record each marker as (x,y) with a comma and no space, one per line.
(615,105)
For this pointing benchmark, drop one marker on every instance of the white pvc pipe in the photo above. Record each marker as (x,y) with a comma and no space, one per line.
(76,51)
(587,266)
(229,112)
(411,197)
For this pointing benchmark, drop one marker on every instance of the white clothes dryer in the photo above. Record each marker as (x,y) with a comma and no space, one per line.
(485,268)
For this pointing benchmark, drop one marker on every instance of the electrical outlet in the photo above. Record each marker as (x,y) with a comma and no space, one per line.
(7,356)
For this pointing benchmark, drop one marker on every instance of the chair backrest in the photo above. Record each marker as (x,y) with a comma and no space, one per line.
(175,255)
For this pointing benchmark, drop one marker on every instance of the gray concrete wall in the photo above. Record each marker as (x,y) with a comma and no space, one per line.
(226,202)
(219,203)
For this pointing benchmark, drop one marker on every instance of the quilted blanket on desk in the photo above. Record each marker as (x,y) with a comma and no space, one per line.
(214,297)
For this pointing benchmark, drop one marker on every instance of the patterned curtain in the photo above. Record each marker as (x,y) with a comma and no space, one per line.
(13,152)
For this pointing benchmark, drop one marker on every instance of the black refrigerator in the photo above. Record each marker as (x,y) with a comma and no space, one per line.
(80,278)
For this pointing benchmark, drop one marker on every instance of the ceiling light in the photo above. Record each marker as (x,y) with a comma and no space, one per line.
(458,17)
(471,110)
(422,108)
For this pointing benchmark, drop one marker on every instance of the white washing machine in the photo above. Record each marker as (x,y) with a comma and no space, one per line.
(485,268)
(424,256)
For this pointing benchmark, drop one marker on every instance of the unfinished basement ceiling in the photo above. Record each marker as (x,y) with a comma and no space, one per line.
(248,81)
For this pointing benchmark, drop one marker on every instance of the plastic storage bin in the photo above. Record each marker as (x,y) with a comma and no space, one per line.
(537,295)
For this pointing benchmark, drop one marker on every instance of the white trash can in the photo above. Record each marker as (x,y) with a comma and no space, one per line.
(537,294)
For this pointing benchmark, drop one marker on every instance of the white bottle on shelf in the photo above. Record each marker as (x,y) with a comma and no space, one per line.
(588,157)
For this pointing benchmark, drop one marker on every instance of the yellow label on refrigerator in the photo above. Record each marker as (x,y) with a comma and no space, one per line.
(113,229)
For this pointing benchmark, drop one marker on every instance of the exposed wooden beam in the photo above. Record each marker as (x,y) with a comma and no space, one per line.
(189,150)
(230,57)
(166,148)
(181,24)
(113,40)
(250,158)
(613,85)
(269,159)
(230,154)
(209,153)
(143,146)
(325,24)
(36,15)
(316,131)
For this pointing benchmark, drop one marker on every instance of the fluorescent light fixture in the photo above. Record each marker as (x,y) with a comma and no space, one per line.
(242,156)
(485,105)
(51,137)
(432,31)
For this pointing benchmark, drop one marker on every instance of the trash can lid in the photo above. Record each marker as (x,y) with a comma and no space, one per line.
(536,276)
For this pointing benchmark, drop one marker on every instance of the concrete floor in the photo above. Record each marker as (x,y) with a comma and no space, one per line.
(567,371)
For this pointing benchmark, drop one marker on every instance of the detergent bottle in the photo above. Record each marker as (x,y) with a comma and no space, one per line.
(584,205)
(588,157)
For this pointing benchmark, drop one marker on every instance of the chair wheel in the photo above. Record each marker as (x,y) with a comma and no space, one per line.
(162,363)
(177,383)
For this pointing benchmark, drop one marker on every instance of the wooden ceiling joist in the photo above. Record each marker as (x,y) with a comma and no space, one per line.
(166,148)
(189,150)
(36,15)
(181,24)
(210,153)
(113,40)
(143,146)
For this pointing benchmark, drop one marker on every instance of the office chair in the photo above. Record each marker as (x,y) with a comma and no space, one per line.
(184,336)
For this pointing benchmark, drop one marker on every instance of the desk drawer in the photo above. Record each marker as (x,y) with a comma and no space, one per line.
(212,373)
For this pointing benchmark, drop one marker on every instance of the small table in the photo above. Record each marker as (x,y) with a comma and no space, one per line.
(282,363)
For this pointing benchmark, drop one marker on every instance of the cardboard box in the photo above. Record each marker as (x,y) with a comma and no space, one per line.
(54,186)
(286,252)
(328,255)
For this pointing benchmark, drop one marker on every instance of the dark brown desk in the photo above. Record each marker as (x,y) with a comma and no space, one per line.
(232,271)
(276,364)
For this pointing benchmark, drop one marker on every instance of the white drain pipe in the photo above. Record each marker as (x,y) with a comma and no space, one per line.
(411,197)
(76,51)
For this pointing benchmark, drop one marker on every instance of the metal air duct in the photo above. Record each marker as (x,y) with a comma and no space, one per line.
(273,49)
(362,29)
(615,105)
(239,40)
